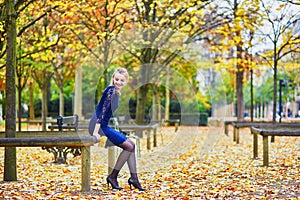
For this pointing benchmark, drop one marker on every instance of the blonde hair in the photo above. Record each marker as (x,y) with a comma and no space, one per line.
(121,71)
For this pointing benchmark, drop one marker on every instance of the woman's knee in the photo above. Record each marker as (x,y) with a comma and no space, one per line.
(132,145)
(128,145)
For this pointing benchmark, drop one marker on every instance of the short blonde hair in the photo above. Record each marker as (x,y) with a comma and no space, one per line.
(122,71)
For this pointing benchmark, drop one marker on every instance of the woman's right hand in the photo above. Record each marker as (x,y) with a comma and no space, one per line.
(96,132)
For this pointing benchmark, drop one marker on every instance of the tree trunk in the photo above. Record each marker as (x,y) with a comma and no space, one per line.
(61,101)
(275,85)
(44,108)
(31,104)
(19,106)
(78,92)
(167,104)
(252,95)
(143,91)
(239,75)
(44,87)
(239,94)
(154,103)
(141,104)
(10,169)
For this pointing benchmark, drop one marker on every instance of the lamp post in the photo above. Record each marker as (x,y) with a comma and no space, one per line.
(281,84)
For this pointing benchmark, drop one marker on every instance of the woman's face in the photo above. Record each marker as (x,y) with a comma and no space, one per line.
(119,81)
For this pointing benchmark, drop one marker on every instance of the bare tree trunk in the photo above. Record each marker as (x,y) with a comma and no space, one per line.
(275,86)
(44,87)
(61,101)
(78,93)
(239,76)
(240,96)
(31,104)
(154,105)
(141,104)
(142,94)
(19,106)
(167,104)
(44,108)
(10,169)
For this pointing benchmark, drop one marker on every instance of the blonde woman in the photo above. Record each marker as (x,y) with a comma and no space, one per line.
(98,127)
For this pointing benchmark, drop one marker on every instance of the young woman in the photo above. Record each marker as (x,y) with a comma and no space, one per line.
(99,126)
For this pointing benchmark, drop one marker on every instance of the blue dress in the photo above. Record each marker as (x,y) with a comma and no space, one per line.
(107,105)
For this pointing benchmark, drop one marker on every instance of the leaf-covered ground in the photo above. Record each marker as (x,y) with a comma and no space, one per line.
(193,163)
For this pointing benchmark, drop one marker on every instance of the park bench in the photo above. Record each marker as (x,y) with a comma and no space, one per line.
(38,122)
(247,124)
(172,121)
(140,129)
(62,124)
(271,130)
(65,123)
(46,139)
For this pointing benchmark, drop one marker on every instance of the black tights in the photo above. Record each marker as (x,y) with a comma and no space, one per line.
(127,155)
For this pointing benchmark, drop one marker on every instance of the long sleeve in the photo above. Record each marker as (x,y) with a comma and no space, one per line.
(103,108)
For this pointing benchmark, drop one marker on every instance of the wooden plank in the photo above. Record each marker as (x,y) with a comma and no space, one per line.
(45,134)
(49,142)
(271,132)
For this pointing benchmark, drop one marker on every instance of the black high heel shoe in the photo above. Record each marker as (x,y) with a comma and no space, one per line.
(135,184)
(114,186)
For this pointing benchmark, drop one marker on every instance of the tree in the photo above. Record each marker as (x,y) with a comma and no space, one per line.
(232,41)
(279,32)
(160,31)
(10,170)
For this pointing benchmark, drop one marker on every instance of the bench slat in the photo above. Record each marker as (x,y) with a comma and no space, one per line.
(49,142)
(272,132)
(45,134)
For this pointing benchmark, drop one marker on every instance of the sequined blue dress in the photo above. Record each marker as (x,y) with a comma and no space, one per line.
(107,105)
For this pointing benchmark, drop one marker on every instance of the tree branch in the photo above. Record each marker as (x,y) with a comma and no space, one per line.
(34,21)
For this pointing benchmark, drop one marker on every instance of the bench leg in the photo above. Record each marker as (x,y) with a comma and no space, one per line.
(176,126)
(272,139)
(237,135)
(111,158)
(226,129)
(154,138)
(265,151)
(234,134)
(255,149)
(85,168)
(148,140)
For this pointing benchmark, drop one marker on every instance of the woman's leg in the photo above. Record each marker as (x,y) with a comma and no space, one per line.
(128,149)
(128,154)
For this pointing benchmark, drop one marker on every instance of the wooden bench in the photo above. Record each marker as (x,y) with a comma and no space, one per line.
(65,123)
(62,124)
(226,125)
(37,122)
(139,129)
(172,121)
(38,139)
(245,124)
(271,130)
